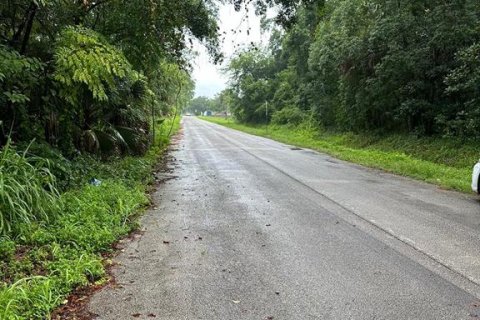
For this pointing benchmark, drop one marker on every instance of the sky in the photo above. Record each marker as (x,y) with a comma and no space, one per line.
(209,79)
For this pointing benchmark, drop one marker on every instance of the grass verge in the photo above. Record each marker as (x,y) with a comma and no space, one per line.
(45,255)
(445,162)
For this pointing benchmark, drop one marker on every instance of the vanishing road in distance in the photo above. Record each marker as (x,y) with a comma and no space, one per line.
(250,228)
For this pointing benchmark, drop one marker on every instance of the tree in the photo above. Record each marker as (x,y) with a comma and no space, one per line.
(389,66)
(103,59)
(199,105)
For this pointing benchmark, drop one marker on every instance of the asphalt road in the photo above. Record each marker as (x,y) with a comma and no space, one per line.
(255,229)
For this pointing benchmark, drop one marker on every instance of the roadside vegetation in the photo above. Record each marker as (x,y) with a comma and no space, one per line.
(445,162)
(53,237)
(366,66)
(90,93)
(389,84)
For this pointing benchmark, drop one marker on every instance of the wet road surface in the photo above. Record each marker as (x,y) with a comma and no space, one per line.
(254,229)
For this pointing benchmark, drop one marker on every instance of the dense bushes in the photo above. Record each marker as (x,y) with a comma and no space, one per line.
(86,77)
(378,66)
(51,241)
(293,116)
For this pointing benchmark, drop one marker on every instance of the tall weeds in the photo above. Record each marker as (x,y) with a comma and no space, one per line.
(27,190)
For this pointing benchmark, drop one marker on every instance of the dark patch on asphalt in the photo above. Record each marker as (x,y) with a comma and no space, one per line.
(310,152)
(332,161)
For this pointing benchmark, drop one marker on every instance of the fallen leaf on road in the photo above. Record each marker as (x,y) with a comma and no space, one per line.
(136,315)
(151,315)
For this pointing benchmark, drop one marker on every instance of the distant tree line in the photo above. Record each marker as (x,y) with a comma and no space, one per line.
(219,103)
(377,65)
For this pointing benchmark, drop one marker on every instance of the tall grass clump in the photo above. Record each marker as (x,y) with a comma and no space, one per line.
(27,190)
(53,242)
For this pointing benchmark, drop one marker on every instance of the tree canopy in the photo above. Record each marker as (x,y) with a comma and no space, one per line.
(76,74)
(403,66)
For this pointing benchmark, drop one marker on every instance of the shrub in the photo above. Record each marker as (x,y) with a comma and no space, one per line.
(289,115)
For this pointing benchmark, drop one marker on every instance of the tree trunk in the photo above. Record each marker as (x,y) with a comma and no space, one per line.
(28,29)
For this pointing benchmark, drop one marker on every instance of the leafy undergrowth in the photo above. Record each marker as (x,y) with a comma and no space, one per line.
(441,161)
(52,242)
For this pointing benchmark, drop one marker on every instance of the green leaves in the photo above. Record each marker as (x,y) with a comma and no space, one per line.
(16,97)
(253,82)
(401,66)
(84,59)
(71,79)
(18,76)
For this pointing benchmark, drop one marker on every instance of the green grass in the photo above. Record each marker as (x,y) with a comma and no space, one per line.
(27,191)
(43,258)
(445,162)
